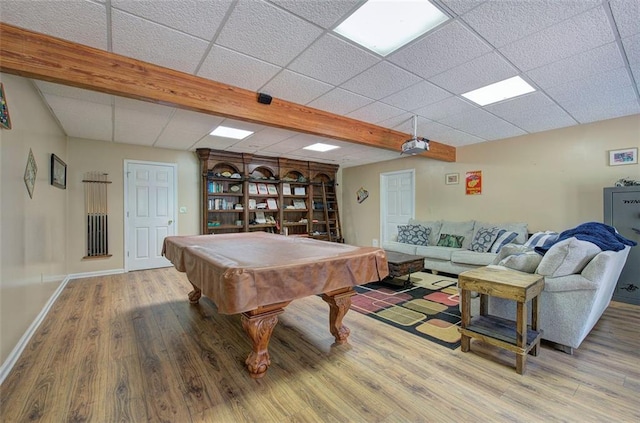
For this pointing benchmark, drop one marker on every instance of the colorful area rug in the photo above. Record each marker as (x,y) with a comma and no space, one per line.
(429,308)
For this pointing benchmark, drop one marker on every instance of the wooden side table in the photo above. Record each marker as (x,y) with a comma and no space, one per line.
(503,283)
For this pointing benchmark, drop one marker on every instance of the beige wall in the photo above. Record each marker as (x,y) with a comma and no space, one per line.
(551,180)
(86,156)
(32,230)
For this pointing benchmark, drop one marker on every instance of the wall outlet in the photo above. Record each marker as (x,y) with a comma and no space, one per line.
(183,209)
(374,242)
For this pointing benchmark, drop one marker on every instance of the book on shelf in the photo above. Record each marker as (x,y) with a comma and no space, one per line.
(272,189)
(272,204)
(253,188)
(260,217)
(252,203)
(299,204)
(286,189)
(299,191)
(262,189)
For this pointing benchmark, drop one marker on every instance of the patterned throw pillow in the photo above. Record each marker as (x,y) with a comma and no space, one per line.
(413,234)
(541,238)
(453,241)
(504,237)
(483,240)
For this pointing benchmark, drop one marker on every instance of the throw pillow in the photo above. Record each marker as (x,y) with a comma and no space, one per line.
(541,238)
(483,240)
(567,257)
(524,262)
(413,234)
(504,237)
(453,241)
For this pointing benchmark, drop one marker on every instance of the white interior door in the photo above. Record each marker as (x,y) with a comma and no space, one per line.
(149,213)
(397,201)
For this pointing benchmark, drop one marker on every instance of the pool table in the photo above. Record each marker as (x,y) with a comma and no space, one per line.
(257,274)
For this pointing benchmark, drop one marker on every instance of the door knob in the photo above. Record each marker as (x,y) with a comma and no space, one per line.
(170,222)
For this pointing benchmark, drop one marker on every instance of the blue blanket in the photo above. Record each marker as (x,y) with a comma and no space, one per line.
(604,236)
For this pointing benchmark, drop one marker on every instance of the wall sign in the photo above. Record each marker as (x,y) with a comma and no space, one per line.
(473,182)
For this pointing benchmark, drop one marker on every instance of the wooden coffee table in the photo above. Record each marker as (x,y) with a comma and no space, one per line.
(401,264)
(503,283)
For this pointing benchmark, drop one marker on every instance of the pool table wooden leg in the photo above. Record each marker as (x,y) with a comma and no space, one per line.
(195,295)
(339,302)
(259,327)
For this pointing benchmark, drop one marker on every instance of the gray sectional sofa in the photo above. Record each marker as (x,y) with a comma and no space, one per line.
(455,260)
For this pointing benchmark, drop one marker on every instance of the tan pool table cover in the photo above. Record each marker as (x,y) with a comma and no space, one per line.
(241,272)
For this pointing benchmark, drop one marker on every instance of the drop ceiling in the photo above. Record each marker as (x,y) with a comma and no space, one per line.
(581,56)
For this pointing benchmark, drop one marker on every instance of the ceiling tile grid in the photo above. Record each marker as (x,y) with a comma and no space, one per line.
(582,56)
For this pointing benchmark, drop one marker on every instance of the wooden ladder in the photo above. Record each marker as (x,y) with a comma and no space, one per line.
(331,214)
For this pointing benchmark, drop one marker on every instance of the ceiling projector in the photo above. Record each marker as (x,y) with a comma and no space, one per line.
(415,145)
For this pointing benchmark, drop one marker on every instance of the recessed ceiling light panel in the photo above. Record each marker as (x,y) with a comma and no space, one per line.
(320,147)
(499,91)
(227,132)
(384,26)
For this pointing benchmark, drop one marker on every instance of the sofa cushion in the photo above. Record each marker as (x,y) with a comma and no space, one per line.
(483,239)
(439,253)
(400,247)
(464,229)
(413,234)
(504,237)
(524,262)
(567,257)
(510,249)
(434,225)
(450,240)
(472,257)
(520,228)
(540,238)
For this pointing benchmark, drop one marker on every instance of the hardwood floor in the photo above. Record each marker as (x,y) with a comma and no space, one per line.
(130,348)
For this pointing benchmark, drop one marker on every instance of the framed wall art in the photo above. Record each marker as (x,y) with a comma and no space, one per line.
(624,156)
(452,178)
(58,172)
(30,172)
(5,120)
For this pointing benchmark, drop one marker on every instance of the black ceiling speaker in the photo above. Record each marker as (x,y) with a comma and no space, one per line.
(264,98)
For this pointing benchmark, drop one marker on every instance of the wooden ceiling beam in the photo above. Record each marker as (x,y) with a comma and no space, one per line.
(33,55)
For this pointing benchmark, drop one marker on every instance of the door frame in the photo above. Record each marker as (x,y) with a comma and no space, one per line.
(126,164)
(383,197)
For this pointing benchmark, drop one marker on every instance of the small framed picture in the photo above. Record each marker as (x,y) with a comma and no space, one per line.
(624,156)
(451,178)
(58,172)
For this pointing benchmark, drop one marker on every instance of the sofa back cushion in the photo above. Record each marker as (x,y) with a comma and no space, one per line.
(460,229)
(567,257)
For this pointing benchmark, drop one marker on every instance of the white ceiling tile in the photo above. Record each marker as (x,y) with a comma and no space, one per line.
(186,128)
(402,123)
(292,144)
(264,31)
(416,96)
(73,92)
(72,114)
(626,14)
(200,18)
(447,135)
(596,88)
(632,49)
(590,62)
(375,112)
(340,60)
(482,124)
(147,41)
(476,73)
(533,112)
(294,87)
(321,12)
(138,122)
(462,6)
(447,107)
(216,143)
(502,22)
(263,138)
(81,22)
(222,65)
(380,81)
(586,31)
(340,101)
(592,112)
(445,48)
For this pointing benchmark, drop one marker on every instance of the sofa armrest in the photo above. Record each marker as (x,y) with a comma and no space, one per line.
(569,283)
